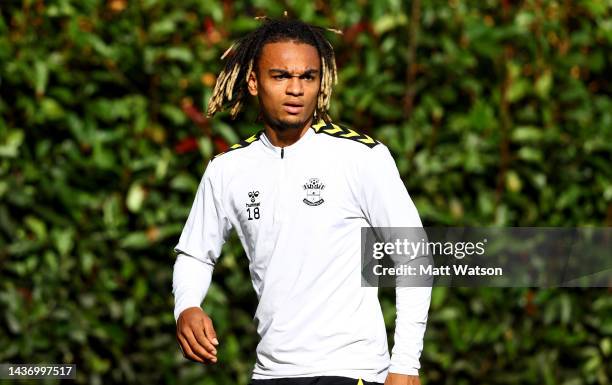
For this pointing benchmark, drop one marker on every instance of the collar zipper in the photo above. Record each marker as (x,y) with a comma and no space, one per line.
(282,152)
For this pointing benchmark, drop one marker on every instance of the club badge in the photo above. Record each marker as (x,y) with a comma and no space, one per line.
(313,192)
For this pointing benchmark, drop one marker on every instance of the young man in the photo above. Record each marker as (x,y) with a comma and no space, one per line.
(297,193)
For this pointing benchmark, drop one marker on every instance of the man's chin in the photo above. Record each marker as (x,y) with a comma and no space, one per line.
(292,123)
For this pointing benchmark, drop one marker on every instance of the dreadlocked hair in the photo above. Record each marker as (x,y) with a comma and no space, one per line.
(231,90)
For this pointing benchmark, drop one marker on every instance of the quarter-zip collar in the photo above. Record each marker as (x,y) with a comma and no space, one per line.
(287,151)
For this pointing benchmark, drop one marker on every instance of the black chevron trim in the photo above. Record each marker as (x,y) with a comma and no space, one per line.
(344,132)
(242,144)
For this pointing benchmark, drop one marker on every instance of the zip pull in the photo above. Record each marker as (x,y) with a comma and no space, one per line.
(282,152)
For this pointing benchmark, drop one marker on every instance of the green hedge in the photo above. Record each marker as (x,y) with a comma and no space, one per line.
(497,112)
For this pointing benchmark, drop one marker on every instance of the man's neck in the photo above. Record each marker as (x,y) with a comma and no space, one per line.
(285,137)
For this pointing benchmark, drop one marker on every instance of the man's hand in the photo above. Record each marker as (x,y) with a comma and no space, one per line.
(402,379)
(196,336)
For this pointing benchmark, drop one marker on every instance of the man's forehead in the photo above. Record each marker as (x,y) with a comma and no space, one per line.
(290,56)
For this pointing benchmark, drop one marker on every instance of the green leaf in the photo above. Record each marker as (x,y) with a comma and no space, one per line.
(135,240)
(517,90)
(51,109)
(9,146)
(543,84)
(135,197)
(63,240)
(527,134)
(37,226)
(179,53)
(41,78)
(389,22)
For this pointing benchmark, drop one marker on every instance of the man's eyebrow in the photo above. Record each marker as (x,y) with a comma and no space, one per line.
(311,71)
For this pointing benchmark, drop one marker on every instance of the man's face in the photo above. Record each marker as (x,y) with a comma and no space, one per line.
(287,84)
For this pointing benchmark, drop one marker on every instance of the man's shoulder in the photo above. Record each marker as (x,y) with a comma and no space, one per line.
(341,134)
(241,145)
(232,159)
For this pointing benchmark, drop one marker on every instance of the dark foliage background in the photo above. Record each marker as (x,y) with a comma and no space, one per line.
(497,112)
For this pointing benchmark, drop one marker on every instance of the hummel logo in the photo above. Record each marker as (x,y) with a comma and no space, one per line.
(253,195)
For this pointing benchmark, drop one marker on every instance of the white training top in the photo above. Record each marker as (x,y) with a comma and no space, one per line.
(299,211)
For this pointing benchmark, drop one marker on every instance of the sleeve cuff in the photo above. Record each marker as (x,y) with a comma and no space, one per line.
(407,370)
(179,309)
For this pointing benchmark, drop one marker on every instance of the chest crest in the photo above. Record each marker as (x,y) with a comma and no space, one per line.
(314,192)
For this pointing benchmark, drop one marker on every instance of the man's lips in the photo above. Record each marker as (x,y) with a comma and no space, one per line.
(293,108)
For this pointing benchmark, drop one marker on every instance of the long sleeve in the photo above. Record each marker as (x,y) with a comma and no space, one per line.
(199,245)
(412,305)
(386,203)
(190,282)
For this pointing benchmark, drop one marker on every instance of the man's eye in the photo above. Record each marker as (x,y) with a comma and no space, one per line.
(308,77)
(280,77)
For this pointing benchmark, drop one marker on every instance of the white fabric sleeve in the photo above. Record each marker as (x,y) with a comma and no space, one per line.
(199,245)
(190,282)
(386,203)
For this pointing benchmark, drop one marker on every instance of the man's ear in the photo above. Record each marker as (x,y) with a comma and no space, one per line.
(252,83)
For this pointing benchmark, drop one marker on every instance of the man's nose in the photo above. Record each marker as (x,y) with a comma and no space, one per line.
(295,86)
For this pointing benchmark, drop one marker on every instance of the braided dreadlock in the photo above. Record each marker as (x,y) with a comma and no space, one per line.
(242,57)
